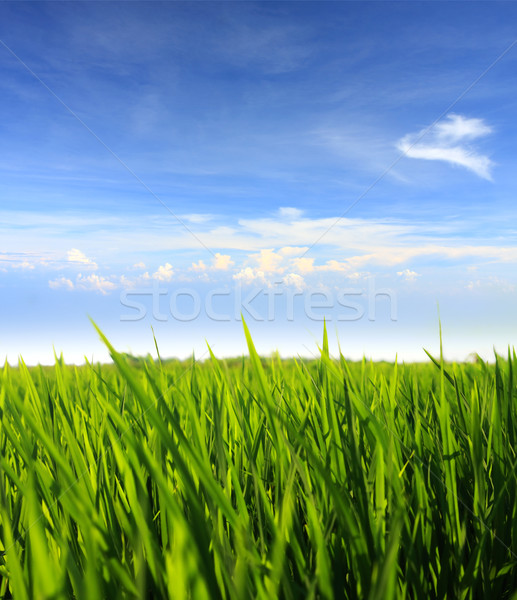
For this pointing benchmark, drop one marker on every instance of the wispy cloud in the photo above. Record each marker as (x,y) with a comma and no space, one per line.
(290,212)
(491,282)
(197,217)
(23,265)
(450,141)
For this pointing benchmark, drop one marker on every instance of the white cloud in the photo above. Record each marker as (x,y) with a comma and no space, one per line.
(76,256)
(408,275)
(131,282)
(267,249)
(249,275)
(139,265)
(95,283)
(448,141)
(61,282)
(358,275)
(268,261)
(458,128)
(295,280)
(222,262)
(199,266)
(164,273)
(303,264)
(335,265)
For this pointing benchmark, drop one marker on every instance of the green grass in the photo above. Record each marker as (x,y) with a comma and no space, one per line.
(258,478)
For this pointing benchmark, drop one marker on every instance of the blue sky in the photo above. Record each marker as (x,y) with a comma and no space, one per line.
(171,165)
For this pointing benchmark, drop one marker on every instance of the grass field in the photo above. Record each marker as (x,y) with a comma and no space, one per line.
(258,478)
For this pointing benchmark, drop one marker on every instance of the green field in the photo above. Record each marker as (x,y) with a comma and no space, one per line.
(259,478)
